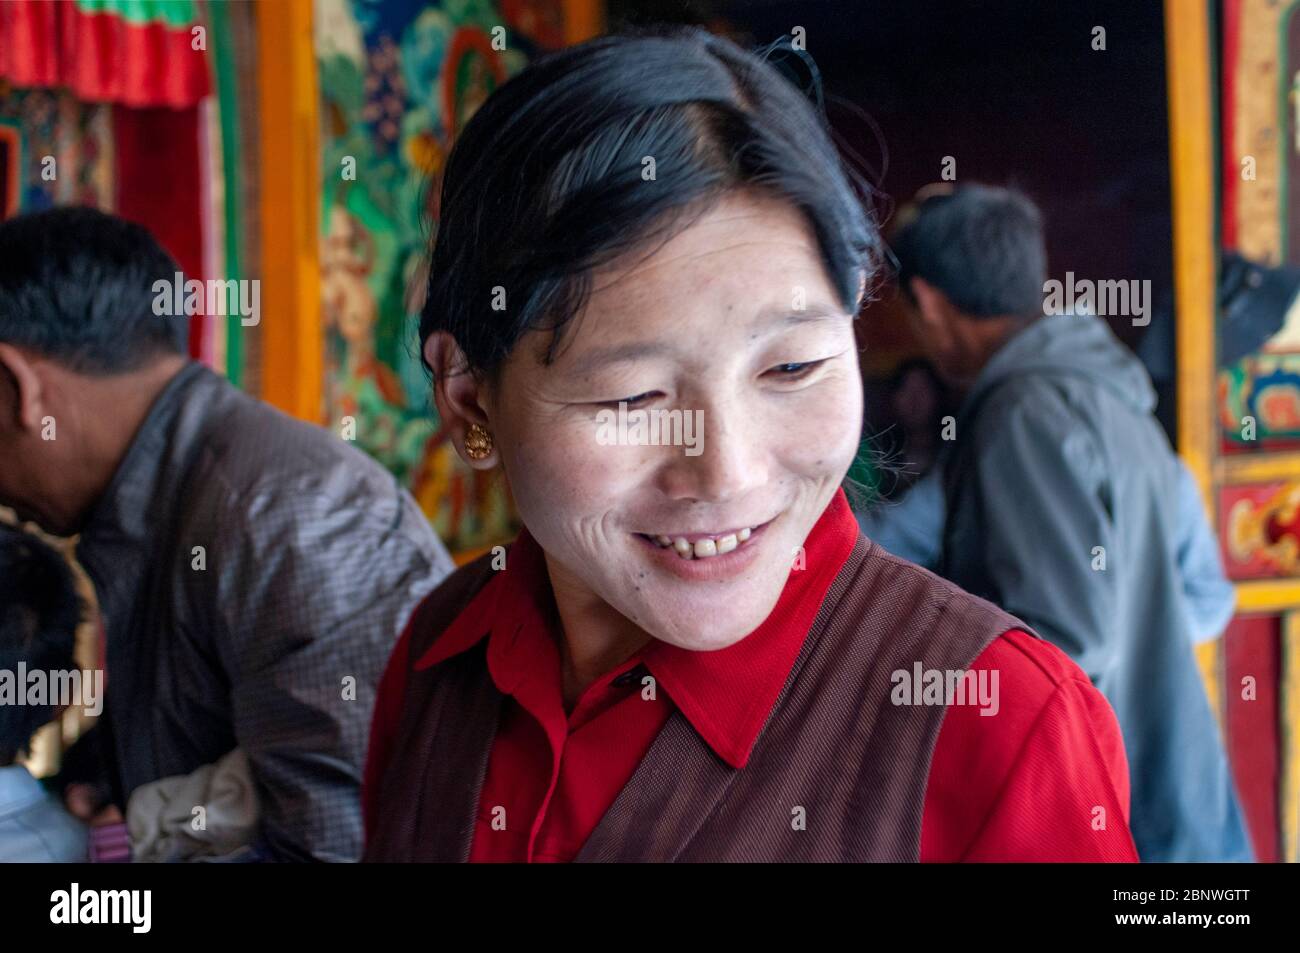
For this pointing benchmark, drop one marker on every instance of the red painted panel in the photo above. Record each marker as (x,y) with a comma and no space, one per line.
(1227,116)
(158,184)
(1259,529)
(1252,648)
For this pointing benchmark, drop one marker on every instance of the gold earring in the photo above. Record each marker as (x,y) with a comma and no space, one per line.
(478,442)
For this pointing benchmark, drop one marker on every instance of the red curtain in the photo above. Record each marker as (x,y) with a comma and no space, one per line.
(100,57)
(160,188)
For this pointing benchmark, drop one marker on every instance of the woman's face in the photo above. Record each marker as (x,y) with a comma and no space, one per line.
(734,325)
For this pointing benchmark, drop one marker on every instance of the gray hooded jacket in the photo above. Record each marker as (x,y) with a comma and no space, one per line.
(1062,507)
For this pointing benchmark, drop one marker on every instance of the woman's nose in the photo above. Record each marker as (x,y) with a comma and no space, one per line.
(725,460)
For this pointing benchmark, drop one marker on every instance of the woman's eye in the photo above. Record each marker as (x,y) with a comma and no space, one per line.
(794,371)
(631,401)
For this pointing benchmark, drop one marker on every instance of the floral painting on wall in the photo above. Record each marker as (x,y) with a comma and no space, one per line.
(398,81)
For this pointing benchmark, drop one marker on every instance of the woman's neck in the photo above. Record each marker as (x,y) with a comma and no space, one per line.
(596,638)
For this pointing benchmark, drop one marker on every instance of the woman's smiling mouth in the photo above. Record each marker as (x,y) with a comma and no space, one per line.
(702,545)
(720,552)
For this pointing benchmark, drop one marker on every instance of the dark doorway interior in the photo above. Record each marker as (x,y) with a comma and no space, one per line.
(1012,90)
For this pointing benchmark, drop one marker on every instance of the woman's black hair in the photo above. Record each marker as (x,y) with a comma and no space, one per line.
(550,178)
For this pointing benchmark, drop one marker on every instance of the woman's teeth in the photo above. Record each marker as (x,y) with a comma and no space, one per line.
(703,548)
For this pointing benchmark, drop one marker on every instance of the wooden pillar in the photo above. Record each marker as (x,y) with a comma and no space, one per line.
(1191,155)
(1188,59)
(289,124)
(583,19)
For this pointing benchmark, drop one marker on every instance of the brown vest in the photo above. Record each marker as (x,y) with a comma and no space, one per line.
(834,745)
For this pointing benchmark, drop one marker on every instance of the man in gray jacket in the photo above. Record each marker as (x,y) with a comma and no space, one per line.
(253,572)
(1061,502)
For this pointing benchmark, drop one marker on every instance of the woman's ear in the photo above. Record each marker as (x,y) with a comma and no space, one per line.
(459,396)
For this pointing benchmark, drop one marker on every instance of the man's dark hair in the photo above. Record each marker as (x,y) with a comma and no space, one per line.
(39,613)
(980,245)
(546,181)
(76,285)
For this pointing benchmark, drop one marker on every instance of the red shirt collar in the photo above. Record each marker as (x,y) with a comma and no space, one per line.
(517,594)
(726,695)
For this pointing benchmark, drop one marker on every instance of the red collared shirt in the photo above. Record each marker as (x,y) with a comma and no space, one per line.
(1046,780)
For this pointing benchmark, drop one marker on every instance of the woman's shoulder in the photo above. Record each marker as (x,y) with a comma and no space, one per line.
(1044,737)
(1037,665)
(885,575)
(920,616)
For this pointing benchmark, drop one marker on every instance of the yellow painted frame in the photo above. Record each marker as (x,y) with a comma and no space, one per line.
(1268,595)
(1188,55)
(293,359)
(1191,157)
(1258,467)
(1254,132)
(1288,795)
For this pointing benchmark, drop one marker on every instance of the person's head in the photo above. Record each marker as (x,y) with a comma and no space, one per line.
(39,613)
(972,263)
(661,220)
(77,319)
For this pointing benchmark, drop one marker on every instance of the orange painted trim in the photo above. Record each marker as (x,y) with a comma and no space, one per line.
(293,360)
(1191,157)
(583,19)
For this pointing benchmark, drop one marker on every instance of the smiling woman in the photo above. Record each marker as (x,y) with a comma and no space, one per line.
(688,655)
